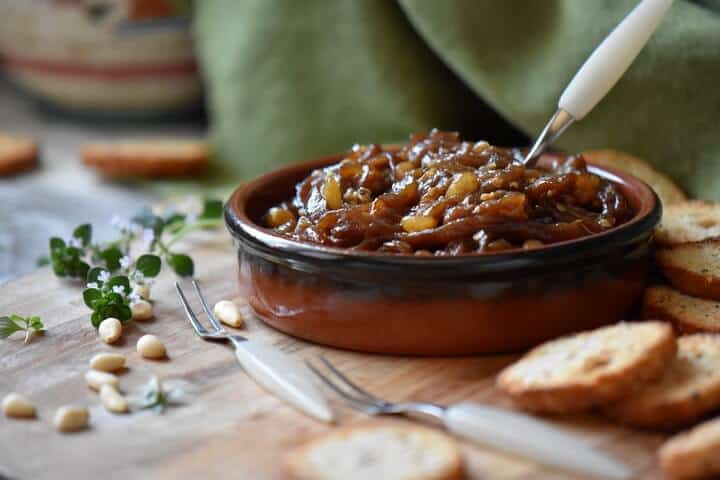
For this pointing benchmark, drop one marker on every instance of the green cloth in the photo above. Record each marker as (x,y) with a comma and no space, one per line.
(292,79)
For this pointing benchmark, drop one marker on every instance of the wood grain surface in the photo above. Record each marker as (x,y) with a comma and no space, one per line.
(228,427)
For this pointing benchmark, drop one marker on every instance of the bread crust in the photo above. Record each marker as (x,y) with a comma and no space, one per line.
(686,278)
(688,314)
(147,158)
(666,189)
(17,155)
(693,454)
(298,465)
(689,389)
(577,393)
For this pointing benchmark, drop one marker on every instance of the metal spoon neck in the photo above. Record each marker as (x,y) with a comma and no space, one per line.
(559,122)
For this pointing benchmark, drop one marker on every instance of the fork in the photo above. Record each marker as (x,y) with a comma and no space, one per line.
(279,373)
(501,429)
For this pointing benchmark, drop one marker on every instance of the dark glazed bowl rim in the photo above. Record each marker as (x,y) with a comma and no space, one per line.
(313,257)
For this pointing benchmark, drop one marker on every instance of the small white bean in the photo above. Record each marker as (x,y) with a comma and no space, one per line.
(143,291)
(110,330)
(71,419)
(149,346)
(95,379)
(15,405)
(107,362)
(142,310)
(112,400)
(228,313)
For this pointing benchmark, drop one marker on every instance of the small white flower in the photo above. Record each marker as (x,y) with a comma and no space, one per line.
(125,262)
(134,297)
(92,285)
(118,289)
(104,276)
(119,223)
(138,277)
(74,242)
(148,237)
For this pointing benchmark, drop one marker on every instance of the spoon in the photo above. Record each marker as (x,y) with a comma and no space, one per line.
(600,72)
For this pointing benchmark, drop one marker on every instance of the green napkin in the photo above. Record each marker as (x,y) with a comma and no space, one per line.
(289,80)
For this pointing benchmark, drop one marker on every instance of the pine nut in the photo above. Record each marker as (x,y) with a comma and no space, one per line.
(71,419)
(417,223)
(143,291)
(107,362)
(149,346)
(15,405)
(112,400)
(96,379)
(228,313)
(141,310)
(528,244)
(463,184)
(279,216)
(331,193)
(110,330)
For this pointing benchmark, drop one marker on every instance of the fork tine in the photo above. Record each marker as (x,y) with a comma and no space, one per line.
(350,383)
(189,313)
(360,404)
(211,316)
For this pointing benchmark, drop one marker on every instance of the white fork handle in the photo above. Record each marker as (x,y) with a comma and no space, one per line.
(284,376)
(612,58)
(529,437)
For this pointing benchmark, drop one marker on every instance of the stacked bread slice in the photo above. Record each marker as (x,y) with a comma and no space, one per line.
(689,256)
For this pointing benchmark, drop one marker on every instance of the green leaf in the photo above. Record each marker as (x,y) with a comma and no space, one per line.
(80,269)
(212,209)
(96,319)
(147,219)
(83,233)
(8,327)
(181,264)
(149,265)
(57,244)
(124,313)
(36,324)
(121,281)
(94,273)
(111,256)
(59,268)
(91,296)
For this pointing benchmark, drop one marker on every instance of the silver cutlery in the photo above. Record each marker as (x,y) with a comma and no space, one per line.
(280,374)
(503,430)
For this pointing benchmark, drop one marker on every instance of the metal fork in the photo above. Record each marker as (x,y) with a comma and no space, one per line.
(279,373)
(501,429)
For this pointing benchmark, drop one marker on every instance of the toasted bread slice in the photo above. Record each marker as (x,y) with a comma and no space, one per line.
(589,369)
(686,222)
(376,450)
(694,454)
(688,314)
(687,391)
(147,158)
(693,268)
(17,154)
(666,189)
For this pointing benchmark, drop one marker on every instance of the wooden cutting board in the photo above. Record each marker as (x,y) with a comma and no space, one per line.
(228,426)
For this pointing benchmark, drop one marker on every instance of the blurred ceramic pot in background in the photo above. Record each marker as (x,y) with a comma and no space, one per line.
(102,57)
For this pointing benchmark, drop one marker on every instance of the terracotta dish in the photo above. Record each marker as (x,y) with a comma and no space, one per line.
(402,304)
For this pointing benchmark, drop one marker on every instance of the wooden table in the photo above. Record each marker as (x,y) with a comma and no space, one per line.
(230,428)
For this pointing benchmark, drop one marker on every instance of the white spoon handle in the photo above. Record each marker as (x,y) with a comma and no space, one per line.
(612,58)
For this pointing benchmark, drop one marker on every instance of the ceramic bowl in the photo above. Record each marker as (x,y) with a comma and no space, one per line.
(481,303)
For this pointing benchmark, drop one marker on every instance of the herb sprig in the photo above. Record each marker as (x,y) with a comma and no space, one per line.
(16,323)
